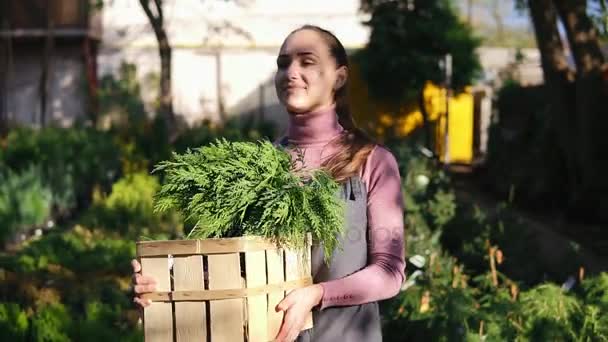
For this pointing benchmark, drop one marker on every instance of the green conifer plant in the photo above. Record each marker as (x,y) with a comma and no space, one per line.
(233,189)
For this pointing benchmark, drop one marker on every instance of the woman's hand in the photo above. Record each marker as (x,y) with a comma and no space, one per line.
(296,306)
(141,284)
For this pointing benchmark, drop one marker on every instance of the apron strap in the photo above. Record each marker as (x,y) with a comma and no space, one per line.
(284,141)
(355,188)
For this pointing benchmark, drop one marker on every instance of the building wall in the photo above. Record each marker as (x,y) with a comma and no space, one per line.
(67,95)
(495,60)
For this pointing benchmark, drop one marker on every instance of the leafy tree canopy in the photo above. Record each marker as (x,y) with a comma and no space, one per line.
(408,42)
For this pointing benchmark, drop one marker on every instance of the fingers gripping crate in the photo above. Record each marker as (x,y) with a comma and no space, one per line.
(219,289)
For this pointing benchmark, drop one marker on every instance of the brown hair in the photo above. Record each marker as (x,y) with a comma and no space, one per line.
(354,145)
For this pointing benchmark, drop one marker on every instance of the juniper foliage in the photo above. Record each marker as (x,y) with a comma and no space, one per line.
(252,188)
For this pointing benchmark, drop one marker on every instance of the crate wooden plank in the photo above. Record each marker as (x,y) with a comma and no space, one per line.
(296,267)
(226,318)
(274,261)
(205,246)
(205,295)
(305,272)
(292,265)
(158,317)
(257,315)
(190,317)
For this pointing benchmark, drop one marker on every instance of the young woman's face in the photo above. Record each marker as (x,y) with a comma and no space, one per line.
(306,73)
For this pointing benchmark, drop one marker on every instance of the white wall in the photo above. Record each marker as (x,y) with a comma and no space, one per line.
(493,60)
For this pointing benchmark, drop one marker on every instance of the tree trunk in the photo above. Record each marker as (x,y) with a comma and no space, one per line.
(426,125)
(90,56)
(590,94)
(221,110)
(582,35)
(46,74)
(4,70)
(576,100)
(498,18)
(166,97)
(558,83)
(164,52)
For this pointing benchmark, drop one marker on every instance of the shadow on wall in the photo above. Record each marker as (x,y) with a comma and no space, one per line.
(263,105)
(66,94)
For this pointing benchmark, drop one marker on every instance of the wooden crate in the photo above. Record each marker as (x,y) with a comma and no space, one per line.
(219,289)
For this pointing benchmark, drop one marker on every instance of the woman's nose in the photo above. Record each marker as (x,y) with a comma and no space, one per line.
(292,71)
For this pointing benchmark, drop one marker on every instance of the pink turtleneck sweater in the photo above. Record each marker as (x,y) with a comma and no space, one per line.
(384,273)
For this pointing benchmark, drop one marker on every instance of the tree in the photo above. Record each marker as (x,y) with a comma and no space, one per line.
(154,12)
(577,97)
(490,20)
(599,14)
(408,41)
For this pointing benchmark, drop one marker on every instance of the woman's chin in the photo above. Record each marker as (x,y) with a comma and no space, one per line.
(297,108)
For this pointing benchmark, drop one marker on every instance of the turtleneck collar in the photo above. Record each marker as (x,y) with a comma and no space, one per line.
(312,128)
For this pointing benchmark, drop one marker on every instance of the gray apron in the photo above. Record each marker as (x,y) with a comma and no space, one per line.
(346,323)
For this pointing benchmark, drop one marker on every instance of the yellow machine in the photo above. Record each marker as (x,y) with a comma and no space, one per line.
(452,122)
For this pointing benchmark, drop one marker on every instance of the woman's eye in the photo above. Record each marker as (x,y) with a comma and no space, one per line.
(282,64)
(308,62)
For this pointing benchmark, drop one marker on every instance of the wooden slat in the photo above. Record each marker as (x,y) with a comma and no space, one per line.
(305,273)
(206,246)
(190,317)
(296,268)
(177,247)
(158,317)
(298,264)
(226,314)
(201,295)
(255,274)
(292,265)
(274,261)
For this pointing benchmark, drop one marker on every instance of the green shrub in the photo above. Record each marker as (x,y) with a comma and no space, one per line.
(51,322)
(71,160)
(25,201)
(449,294)
(14,323)
(103,322)
(595,291)
(133,193)
(129,209)
(429,199)
(80,251)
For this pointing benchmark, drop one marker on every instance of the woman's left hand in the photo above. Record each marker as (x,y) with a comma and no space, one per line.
(296,306)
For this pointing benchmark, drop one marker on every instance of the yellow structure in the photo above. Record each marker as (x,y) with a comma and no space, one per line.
(453,133)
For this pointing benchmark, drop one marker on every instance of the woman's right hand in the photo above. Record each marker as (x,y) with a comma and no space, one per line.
(141,284)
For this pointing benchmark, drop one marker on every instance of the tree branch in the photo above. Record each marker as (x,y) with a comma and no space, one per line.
(550,45)
(159,10)
(157,24)
(582,35)
(145,5)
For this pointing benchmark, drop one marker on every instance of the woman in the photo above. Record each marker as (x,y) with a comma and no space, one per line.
(311,82)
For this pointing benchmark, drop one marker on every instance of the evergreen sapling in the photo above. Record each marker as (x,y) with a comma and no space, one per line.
(232,189)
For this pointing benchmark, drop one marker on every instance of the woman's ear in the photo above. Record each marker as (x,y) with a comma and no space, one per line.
(341,77)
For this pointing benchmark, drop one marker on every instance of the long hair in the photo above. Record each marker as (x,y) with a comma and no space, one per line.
(354,145)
